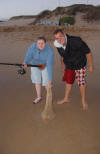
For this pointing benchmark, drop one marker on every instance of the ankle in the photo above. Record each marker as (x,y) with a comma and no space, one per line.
(65,98)
(84,102)
(39,97)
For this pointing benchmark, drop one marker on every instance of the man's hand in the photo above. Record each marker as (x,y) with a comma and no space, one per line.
(91,69)
(49,84)
(63,69)
(90,61)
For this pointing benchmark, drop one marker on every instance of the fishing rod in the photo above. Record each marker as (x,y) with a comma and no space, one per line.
(28,65)
(22,70)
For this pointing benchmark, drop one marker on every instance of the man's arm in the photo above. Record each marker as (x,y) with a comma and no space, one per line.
(90,62)
(62,64)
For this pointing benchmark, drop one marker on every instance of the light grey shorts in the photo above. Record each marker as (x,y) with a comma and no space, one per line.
(39,76)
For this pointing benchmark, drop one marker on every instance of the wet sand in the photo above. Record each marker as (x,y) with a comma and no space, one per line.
(22,130)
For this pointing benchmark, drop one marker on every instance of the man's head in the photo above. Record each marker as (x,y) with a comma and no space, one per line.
(60,36)
(41,42)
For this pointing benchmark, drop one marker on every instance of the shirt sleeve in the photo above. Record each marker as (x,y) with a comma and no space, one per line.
(29,54)
(50,61)
(84,47)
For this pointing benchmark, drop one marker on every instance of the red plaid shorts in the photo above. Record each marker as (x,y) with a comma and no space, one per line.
(71,75)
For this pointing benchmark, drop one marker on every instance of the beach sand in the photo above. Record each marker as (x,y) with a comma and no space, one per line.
(22,130)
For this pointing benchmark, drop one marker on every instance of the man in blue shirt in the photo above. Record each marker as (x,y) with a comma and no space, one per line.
(40,53)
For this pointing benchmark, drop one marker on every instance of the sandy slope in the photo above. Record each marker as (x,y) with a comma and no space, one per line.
(17,22)
(22,131)
(82,23)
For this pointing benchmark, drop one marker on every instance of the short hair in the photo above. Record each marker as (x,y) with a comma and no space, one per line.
(58,30)
(42,38)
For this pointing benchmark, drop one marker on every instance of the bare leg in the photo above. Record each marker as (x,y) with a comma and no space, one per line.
(67,94)
(46,87)
(83,95)
(38,90)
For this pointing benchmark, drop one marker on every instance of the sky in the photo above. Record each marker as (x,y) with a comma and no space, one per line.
(10,8)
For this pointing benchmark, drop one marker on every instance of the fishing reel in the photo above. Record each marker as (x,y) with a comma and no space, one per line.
(21,71)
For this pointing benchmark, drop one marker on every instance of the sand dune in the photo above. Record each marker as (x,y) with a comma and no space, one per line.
(17,22)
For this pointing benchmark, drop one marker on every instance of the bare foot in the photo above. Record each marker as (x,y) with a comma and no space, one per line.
(37,100)
(63,101)
(85,106)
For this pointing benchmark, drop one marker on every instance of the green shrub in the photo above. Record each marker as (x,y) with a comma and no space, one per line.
(69,20)
(44,14)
